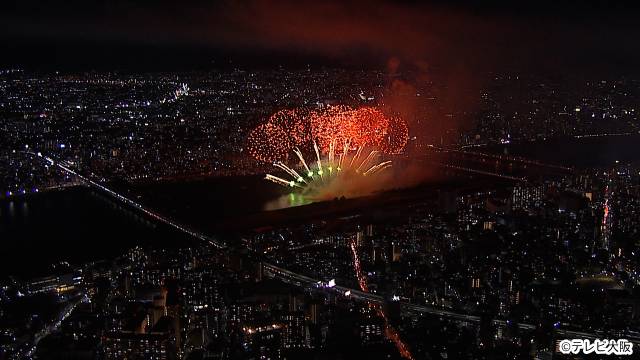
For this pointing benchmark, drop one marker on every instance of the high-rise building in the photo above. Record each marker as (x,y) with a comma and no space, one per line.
(295,333)
(371,331)
(152,346)
(525,197)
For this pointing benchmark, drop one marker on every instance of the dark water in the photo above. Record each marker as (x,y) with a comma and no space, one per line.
(75,225)
(215,197)
(205,203)
(78,225)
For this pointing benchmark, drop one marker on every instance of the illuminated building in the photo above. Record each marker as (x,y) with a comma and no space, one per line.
(295,333)
(152,346)
(263,341)
(525,197)
(371,331)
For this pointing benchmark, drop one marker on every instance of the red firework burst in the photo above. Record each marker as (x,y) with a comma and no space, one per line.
(395,136)
(289,128)
(295,123)
(268,143)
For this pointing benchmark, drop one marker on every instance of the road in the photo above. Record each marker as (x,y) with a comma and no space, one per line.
(28,349)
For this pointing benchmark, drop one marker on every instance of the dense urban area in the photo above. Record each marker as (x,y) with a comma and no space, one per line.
(164,126)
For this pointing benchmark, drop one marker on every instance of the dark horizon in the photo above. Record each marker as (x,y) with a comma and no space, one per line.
(535,37)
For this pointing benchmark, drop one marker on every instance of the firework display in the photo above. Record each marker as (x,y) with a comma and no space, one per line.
(330,174)
(359,127)
(268,143)
(343,147)
(338,126)
(394,137)
(295,123)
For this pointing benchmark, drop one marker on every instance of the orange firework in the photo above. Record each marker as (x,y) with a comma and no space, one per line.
(331,124)
(295,123)
(395,136)
(366,126)
(335,129)
(268,143)
(369,125)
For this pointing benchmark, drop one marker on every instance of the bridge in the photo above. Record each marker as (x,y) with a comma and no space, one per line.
(152,214)
(503,166)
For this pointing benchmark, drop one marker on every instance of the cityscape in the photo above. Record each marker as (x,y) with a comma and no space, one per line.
(280,202)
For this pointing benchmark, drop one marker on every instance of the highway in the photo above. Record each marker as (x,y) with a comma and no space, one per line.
(303,281)
(29,348)
(299,280)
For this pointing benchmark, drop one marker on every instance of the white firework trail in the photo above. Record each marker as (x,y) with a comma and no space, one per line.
(355,166)
(281,181)
(304,163)
(345,151)
(315,147)
(289,171)
(366,160)
(377,168)
(356,156)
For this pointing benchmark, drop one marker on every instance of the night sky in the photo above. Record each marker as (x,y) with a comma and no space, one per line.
(577,36)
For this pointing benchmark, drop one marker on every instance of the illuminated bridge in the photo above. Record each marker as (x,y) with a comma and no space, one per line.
(154,215)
